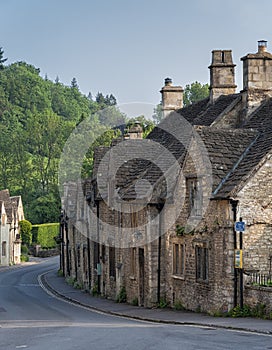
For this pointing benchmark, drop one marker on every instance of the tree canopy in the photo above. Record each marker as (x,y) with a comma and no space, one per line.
(37,116)
(195,92)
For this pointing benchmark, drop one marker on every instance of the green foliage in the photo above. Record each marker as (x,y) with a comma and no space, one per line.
(237,311)
(135,301)
(25,231)
(43,208)
(70,280)
(180,230)
(2,59)
(24,250)
(24,258)
(146,124)
(95,290)
(122,296)
(178,305)
(36,118)
(195,92)
(78,285)
(158,115)
(162,304)
(45,234)
(259,311)
(60,273)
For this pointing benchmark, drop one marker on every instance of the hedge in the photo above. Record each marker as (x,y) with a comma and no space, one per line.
(44,235)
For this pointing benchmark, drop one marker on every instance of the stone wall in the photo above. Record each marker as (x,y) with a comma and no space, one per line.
(255,208)
(254,296)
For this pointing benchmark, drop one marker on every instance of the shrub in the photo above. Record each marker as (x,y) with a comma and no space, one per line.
(238,311)
(95,290)
(178,305)
(24,258)
(162,304)
(24,250)
(45,234)
(122,296)
(25,231)
(135,301)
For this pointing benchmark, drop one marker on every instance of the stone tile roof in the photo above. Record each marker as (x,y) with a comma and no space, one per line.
(233,153)
(261,121)
(225,148)
(5,197)
(213,111)
(11,204)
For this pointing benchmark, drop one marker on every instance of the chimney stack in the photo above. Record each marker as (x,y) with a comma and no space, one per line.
(257,76)
(172,97)
(222,74)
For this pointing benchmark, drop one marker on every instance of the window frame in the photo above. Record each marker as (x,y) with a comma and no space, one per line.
(178,259)
(202,263)
(4,249)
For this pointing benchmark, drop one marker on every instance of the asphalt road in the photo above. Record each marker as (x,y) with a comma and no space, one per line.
(32,319)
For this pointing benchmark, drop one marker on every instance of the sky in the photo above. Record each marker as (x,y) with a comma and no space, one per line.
(127,47)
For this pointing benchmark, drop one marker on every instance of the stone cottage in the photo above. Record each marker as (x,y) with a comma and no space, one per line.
(157,218)
(12,213)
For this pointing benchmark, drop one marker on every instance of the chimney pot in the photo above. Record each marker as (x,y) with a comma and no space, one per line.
(262,45)
(168,82)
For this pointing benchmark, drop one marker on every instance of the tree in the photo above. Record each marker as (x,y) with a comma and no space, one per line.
(25,231)
(2,59)
(158,115)
(74,84)
(146,124)
(195,92)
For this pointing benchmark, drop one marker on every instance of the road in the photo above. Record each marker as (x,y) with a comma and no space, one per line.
(32,319)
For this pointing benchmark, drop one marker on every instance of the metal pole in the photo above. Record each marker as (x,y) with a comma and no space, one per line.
(234,209)
(241,273)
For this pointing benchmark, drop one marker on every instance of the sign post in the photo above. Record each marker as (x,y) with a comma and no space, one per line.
(240,227)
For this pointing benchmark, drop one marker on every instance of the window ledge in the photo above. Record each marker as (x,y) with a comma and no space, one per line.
(178,277)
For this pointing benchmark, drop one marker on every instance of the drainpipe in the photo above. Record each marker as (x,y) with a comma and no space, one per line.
(62,263)
(67,245)
(98,250)
(235,287)
(159,207)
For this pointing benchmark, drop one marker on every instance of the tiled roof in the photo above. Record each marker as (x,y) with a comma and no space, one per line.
(261,121)
(10,203)
(225,148)
(233,153)
(213,111)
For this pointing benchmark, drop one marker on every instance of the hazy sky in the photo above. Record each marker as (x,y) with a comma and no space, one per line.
(128,47)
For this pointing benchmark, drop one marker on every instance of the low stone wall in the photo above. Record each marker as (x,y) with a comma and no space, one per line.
(43,253)
(254,295)
(48,252)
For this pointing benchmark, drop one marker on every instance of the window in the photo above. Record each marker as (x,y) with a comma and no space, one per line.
(95,253)
(133,261)
(4,248)
(112,262)
(202,263)
(178,259)
(195,196)
(78,255)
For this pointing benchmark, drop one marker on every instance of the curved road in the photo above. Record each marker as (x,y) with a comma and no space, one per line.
(32,319)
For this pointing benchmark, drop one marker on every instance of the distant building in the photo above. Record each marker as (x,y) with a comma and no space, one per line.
(191,261)
(11,210)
